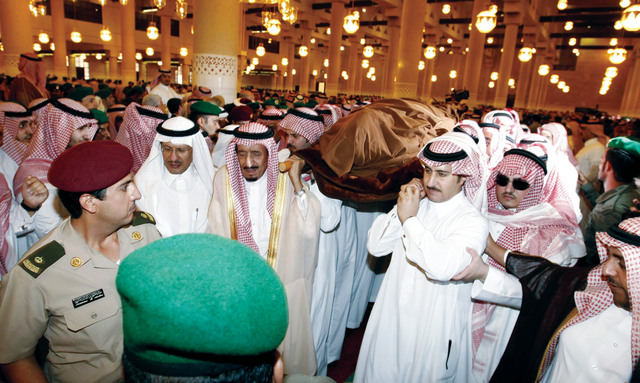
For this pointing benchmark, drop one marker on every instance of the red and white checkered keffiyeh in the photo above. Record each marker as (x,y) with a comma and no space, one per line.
(5,212)
(37,107)
(561,179)
(559,141)
(10,125)
(329,114)
(57,123)
(113,113)
(472,128)
(236,180)
(138,130)
(270,117)
(597,296)
(500,125)
(535,227)
(471,166)
(303,121)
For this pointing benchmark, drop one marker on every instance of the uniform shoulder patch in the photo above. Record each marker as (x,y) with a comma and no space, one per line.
(141,217)
(36,263)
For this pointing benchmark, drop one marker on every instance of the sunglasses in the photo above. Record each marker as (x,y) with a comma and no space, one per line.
(518,183)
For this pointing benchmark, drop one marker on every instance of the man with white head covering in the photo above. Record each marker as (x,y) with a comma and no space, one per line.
(162,86)
(276,215)
(578,323)
(498,126)
(418,329)
(31,83)
(521,218)
(176,180)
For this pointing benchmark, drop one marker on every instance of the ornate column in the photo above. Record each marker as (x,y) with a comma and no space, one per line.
(394,49)
(215,60)
(536,81)
(128,46)
(428,84)
(471,78)
(57,25)
(353,65)
(522,87)
(17,37)
(412,21)
(165,38)
(335,40)
(288,81)
(303,78)
(512,22)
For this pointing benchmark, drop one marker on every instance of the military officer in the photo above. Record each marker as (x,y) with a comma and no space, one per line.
(64,287)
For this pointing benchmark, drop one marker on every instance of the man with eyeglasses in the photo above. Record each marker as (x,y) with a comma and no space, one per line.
(520,219)
(176,180)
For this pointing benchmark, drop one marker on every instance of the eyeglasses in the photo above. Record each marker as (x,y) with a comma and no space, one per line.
(518,183)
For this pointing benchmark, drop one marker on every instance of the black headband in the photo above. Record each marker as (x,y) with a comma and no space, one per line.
(488,125)
(443,157)
(323,111)
(301,114)
(529,155)
(510,139)
(204,91)
(247,135)
(502,114)
(31,58)
(116,109)
(67,109)
(459,129)
(11,114)
(177,133)
(39,106)
(151,113)
(164,71)
(271,118)
(624,236)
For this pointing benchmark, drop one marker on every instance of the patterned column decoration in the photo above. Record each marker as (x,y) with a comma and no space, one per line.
(406,90)
(9,64)
(217,72)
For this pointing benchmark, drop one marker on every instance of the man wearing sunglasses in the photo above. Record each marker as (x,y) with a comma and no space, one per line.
(521,218)
(418,329)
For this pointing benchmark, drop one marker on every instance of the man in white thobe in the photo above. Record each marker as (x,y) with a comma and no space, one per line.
(176,180)
(163,89)
(418,329)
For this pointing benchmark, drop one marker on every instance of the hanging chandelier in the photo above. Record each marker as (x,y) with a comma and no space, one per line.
(368,51)
(285,61)
(255,61)
(105,34)
(260,51)
(149,51)
(617,55)
(568,25)
(98,56)
(562,4)
(152,31)
(76,37)
(138,56)
(160,3)
(486,21)
(554,79)
(526,54)
(273,27)
(543,70)
(611,72)
(43,37)
(37,47)
(494,76)
(453,74)
(429,52)
(102,2)
(124,2)
(631,18)
(365,64)
(446,9)
(421,65)
(181,9)
(326,63)
(351,22)
(572,41)
(303,51)
(291,15)
(625,3)
(184,51)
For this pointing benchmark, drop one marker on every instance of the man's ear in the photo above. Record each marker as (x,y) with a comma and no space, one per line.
(461,179)
(88,203)
(278,369)
(200,120)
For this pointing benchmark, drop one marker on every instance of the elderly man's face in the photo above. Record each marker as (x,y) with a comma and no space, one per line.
(295,141)
(25,131)
(165,79)
(177,158)
(614,270)
(440,184)
(508,195)
(253,161)
(79,135)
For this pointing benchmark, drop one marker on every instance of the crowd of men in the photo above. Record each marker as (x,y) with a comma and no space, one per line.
(515,257)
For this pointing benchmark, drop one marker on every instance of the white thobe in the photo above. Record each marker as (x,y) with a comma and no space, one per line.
(8,167)
(165,92)
(19,221)
(589,158)
(419,327)
(182,204)
(596,350)
(325,276)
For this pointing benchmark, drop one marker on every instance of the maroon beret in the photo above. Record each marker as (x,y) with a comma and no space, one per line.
(90,166)
(241,113)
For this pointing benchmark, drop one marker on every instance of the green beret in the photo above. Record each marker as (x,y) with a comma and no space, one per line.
(627,143)
(271,102)
(103,86)
(204,107)
(196,299)
(311,103)
(80,92)
(254,105)
(100,116)
(283,106)
(299,105)
(103,93)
